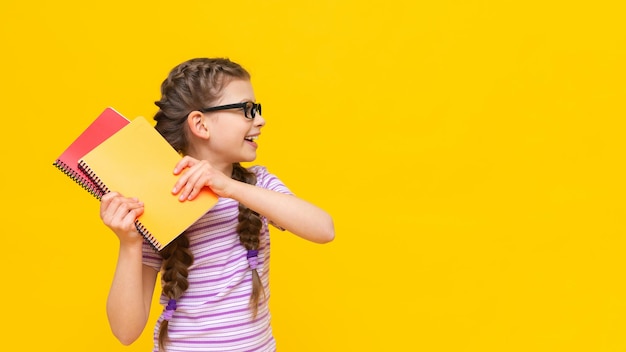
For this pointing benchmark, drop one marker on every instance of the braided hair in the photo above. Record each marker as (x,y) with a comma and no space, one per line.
(191,85)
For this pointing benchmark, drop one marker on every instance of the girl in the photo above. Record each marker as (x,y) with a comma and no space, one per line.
(214,276)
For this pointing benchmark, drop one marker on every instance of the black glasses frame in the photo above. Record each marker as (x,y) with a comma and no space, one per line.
(253,107)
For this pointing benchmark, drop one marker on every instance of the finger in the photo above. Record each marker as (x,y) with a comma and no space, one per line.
(126,215)
(119,208)
(109,196)
(190,176)
(186,174)
(184,163)
(181,181)
(105,203)
(125,205)
(111,209)
(195,190)
(131,215)
(196,180)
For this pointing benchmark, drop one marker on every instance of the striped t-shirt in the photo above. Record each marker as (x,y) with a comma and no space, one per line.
(214,314)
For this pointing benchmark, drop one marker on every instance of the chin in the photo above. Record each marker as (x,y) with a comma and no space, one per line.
(249,158)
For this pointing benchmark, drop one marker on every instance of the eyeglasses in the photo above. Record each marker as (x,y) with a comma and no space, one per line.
(250,109)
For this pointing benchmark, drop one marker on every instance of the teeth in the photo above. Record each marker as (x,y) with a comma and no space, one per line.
(252,139)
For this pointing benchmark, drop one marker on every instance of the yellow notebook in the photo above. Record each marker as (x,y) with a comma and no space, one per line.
(138,162)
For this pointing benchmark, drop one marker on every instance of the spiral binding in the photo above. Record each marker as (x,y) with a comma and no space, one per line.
(148,236)
(94,178)
(78,178)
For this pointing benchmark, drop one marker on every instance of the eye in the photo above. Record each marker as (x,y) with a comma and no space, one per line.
(249,110)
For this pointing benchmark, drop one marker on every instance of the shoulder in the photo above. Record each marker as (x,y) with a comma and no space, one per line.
(266,179)
(261,173)
(258,170)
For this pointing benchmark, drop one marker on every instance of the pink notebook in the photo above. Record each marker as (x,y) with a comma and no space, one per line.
(104,126)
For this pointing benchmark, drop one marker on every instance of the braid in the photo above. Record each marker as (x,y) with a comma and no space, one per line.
(249,230)
(191,85)
(176,261)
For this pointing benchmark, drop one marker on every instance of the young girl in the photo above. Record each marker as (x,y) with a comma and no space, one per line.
(214,276)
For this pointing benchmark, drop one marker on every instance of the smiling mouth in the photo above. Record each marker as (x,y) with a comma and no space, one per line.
(252,138)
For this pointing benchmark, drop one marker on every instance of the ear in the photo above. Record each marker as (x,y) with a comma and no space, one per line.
(198,125)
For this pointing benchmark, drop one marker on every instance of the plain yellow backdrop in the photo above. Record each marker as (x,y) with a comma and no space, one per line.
(471,153)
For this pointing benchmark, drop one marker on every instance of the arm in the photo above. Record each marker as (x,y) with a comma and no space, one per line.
(130,296)
(290,212)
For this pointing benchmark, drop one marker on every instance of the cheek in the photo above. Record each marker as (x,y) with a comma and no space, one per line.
(227,139)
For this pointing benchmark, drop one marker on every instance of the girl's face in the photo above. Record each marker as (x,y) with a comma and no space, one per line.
(233,136)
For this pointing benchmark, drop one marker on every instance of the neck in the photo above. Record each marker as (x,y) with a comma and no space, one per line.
(224,167)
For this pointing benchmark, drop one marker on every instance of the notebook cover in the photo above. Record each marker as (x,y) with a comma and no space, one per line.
(138,162)
(104,126)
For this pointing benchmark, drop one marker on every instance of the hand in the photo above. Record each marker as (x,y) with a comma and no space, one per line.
(198,174)
(119,214)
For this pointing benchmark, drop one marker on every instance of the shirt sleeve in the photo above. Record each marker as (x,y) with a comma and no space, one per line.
(265,179)
(269,181)
(151,257)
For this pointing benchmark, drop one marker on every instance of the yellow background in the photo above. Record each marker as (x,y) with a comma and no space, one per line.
(471,153)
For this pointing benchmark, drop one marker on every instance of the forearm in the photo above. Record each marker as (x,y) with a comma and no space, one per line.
(289,212)
(126,307)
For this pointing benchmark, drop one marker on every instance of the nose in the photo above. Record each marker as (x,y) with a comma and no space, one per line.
(259,121)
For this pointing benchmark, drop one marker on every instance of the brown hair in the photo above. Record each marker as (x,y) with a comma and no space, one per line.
(191,85)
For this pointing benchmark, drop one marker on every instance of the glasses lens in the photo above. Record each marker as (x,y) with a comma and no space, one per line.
(248,110)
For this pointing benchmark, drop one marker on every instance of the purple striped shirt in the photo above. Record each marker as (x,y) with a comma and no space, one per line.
(214,314)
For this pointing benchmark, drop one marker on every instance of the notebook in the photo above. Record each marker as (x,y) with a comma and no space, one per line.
(104,126)
(138,162)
